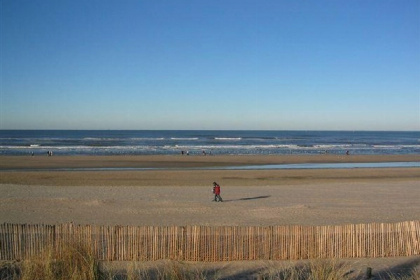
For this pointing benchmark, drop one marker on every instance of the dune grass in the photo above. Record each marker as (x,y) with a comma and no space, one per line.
(74,262)
(77,262)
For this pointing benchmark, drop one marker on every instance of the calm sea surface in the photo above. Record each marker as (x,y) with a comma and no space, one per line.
(156,142)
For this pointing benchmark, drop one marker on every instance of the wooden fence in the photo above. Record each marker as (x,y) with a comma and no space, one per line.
(224,243)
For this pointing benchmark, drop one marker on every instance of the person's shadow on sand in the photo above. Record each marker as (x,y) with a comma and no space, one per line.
(248,198)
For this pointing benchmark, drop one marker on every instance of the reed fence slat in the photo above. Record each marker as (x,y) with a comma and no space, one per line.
(205,243)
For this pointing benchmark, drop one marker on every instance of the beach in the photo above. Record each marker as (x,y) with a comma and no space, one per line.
(118,121)
(41,190)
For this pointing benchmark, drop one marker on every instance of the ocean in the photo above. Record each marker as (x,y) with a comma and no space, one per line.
(215,142)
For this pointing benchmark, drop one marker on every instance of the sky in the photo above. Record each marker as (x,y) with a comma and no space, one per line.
(210,64)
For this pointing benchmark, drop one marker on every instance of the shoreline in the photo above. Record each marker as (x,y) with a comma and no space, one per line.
(185,170)
(191,161)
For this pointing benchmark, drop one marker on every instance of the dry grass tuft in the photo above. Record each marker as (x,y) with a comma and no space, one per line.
(74,262)
(9,270)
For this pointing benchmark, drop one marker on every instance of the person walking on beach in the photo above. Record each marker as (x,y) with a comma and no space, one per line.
(216,191)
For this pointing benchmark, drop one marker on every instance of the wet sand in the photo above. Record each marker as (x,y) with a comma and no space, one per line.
(183,196)
(178,161)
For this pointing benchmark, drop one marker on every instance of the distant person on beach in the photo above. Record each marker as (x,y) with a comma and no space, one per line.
(216,191)
(347,152)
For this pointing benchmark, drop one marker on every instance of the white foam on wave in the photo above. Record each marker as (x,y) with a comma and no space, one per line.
(228,138)
(185,139)
(121,139)
(147,139)
(341,146)
(235,147)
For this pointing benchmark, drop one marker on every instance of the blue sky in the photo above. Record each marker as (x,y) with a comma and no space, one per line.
(282,65)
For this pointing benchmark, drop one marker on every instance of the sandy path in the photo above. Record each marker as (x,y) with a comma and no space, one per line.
(183,197)
(313,204)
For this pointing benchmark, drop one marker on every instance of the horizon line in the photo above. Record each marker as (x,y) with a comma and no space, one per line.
(326,130)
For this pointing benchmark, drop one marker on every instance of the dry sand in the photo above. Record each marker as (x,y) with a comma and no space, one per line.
(183,196)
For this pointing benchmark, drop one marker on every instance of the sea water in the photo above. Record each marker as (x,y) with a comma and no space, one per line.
(193,142)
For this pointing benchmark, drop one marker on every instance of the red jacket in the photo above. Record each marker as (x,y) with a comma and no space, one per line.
(216,189)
